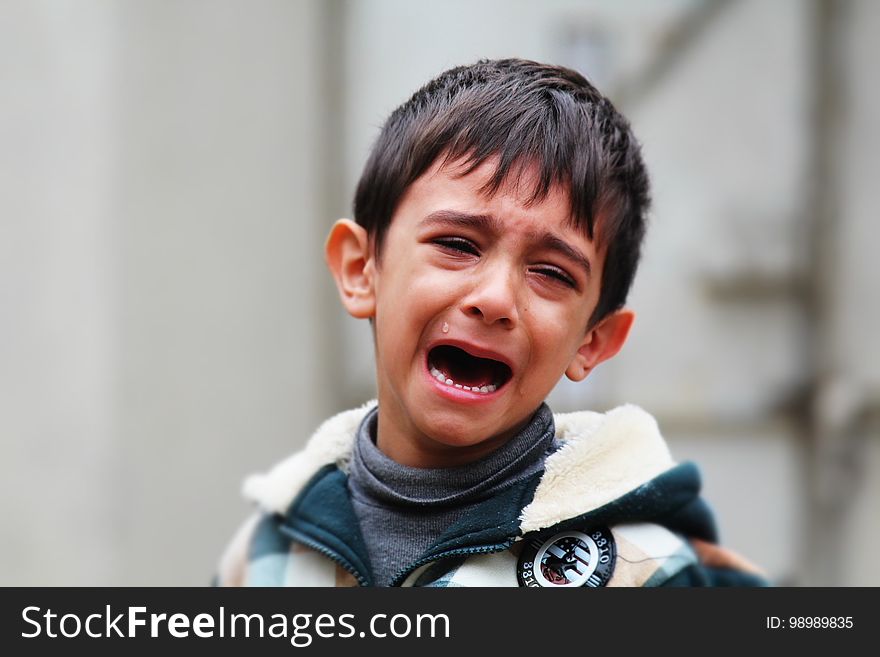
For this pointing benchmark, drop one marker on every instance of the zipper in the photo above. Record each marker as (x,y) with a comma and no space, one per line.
(327,552)
(458,552)
(398,579)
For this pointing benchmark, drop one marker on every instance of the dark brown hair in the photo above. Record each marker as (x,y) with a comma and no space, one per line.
(526,114)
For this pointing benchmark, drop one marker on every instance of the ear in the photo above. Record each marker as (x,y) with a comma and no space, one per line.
(600,343)
(351,262)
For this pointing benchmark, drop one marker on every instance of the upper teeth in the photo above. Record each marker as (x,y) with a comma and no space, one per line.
(437,374)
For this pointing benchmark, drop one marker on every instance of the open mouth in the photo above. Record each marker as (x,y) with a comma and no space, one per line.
(457,368)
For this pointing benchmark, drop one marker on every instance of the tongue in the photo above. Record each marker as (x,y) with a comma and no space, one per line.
(463,368)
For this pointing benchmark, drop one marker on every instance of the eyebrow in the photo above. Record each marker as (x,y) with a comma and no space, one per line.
(553,242)
(493,225)
(485,222)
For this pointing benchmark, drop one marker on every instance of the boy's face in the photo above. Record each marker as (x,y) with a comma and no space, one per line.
(480,305)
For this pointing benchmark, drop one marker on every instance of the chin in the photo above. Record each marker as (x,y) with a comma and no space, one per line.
(460,433)
(453,435)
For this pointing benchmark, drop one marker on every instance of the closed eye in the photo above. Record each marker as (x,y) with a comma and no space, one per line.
(457,245)
(556,274)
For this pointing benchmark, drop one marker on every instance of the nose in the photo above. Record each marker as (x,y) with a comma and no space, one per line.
(492,296)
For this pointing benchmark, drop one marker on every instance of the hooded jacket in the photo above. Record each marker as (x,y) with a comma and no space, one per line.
(610,508)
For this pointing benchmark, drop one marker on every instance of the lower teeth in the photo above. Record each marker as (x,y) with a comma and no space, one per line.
(437,374)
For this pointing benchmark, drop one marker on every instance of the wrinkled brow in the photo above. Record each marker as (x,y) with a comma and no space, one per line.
(555,243)
(491,224)
(484,222)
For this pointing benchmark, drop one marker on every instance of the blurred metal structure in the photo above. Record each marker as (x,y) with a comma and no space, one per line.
(828,413)
(677,43)
(833,405)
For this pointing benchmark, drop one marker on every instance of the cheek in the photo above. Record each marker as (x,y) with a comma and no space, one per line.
(563,323)
(406,306)
(557,336)
(416,292)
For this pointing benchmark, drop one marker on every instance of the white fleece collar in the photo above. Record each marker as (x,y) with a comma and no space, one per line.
(331,443)
(603,456)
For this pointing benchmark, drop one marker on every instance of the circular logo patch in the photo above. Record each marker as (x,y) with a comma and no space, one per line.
(568,559)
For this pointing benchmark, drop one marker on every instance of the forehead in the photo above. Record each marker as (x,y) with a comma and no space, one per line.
(448,185)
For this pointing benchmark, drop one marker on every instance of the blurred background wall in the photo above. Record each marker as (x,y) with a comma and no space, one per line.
(168,172)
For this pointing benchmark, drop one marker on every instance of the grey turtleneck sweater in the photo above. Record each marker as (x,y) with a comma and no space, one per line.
(404,510)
